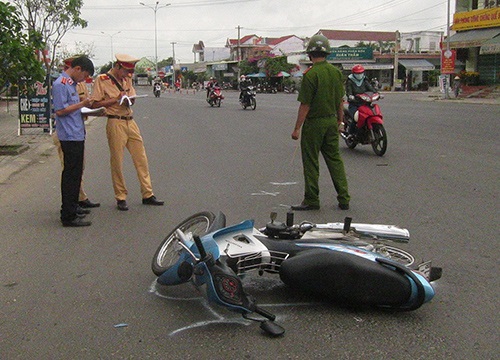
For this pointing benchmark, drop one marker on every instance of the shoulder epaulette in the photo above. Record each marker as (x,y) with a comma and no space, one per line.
(68,81)
(104,77)
(309,68)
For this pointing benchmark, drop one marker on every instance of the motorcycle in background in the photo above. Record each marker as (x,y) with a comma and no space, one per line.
(215,97)
(369,124)
(248,98)
(157,89)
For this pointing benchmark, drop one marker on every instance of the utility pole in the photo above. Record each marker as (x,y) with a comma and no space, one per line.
(396,60)
(111,36)
(156,7)
(173,62)
(446,87)
(239,52)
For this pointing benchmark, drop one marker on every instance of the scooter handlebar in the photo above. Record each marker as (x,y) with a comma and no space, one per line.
(199,245)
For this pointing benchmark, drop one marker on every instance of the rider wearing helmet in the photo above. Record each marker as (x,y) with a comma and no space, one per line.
(357,83)
(319,115)
(243,85)
(210,86)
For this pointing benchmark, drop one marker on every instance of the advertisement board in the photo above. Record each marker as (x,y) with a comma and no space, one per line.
(34,104)
(448,61)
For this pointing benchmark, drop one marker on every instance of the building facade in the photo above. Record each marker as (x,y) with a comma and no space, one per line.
(477,39)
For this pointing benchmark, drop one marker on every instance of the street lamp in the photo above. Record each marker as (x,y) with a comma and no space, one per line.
(156,7)
(111,36)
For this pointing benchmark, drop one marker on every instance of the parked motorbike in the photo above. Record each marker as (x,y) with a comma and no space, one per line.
(157,89)
(248,98)
(215,97)
(342,262)
(369,125)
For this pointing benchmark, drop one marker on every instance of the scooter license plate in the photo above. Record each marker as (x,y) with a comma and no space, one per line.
(425,269)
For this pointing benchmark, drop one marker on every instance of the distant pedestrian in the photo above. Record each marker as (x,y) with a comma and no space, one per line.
(457,86)
(71,134)
(320,114)
(121,129)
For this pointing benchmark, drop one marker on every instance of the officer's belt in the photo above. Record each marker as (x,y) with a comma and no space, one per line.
(120,117)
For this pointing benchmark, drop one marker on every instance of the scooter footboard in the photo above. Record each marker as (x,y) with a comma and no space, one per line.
(346,278)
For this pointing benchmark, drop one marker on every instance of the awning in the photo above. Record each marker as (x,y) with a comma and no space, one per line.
(471,38)
(257,75)
(417,65)
(368,66)
(491,46)
(282,74)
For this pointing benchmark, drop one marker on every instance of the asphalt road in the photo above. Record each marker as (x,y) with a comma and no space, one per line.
(89,293)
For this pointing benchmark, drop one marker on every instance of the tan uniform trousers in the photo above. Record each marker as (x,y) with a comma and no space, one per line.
(125,134)
(82,195)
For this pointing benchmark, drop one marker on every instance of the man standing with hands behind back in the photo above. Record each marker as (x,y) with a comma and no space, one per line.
(121,129)
(319,115)
(71,133)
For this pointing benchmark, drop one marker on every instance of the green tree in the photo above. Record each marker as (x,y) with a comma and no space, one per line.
(276,64)
(17,55)
(165,62)
(52,19)
(247,67)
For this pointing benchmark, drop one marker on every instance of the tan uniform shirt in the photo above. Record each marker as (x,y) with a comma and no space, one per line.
(104,88)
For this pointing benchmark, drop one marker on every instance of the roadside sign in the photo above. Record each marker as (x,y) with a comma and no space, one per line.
(448,61)
(34,104)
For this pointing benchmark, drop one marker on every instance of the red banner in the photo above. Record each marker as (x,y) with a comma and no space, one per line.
(448,61)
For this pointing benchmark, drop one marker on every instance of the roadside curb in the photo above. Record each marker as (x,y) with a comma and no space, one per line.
(36,148)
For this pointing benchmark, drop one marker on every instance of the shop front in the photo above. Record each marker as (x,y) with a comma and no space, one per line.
(477,43)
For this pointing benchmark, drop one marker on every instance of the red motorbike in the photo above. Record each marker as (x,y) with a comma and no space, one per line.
(369,124)
(215,97)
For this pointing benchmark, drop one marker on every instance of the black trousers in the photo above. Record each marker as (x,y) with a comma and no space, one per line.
(71,177)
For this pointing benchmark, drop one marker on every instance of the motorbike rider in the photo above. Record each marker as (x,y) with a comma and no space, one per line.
(210,86)
(357,83)
(243,85)
(156,81)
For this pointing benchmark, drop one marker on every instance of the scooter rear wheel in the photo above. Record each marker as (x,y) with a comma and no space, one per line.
(395,254)
(169,250)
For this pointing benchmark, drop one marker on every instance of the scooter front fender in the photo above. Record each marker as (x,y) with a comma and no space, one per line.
(175,275)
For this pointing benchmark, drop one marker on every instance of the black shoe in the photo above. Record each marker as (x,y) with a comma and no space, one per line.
(305,207)
(343,206)
(81,211)
(152,200)
(122,205)
(88,204)
(76,222)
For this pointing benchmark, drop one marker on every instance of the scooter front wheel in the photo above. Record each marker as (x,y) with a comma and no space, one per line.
(379,143)
(169,250)
(253,103)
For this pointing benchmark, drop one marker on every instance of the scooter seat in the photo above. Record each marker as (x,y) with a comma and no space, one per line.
(346,278)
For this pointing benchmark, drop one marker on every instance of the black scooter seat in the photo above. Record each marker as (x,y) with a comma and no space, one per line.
(346,278)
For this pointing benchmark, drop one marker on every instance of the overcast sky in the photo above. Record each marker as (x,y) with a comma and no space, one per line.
(185,22)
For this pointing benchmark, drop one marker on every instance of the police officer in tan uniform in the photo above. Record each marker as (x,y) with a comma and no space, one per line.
(83,93)
(121,129)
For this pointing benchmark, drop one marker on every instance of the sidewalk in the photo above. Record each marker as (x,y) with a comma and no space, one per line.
(34,143)
(436,95)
